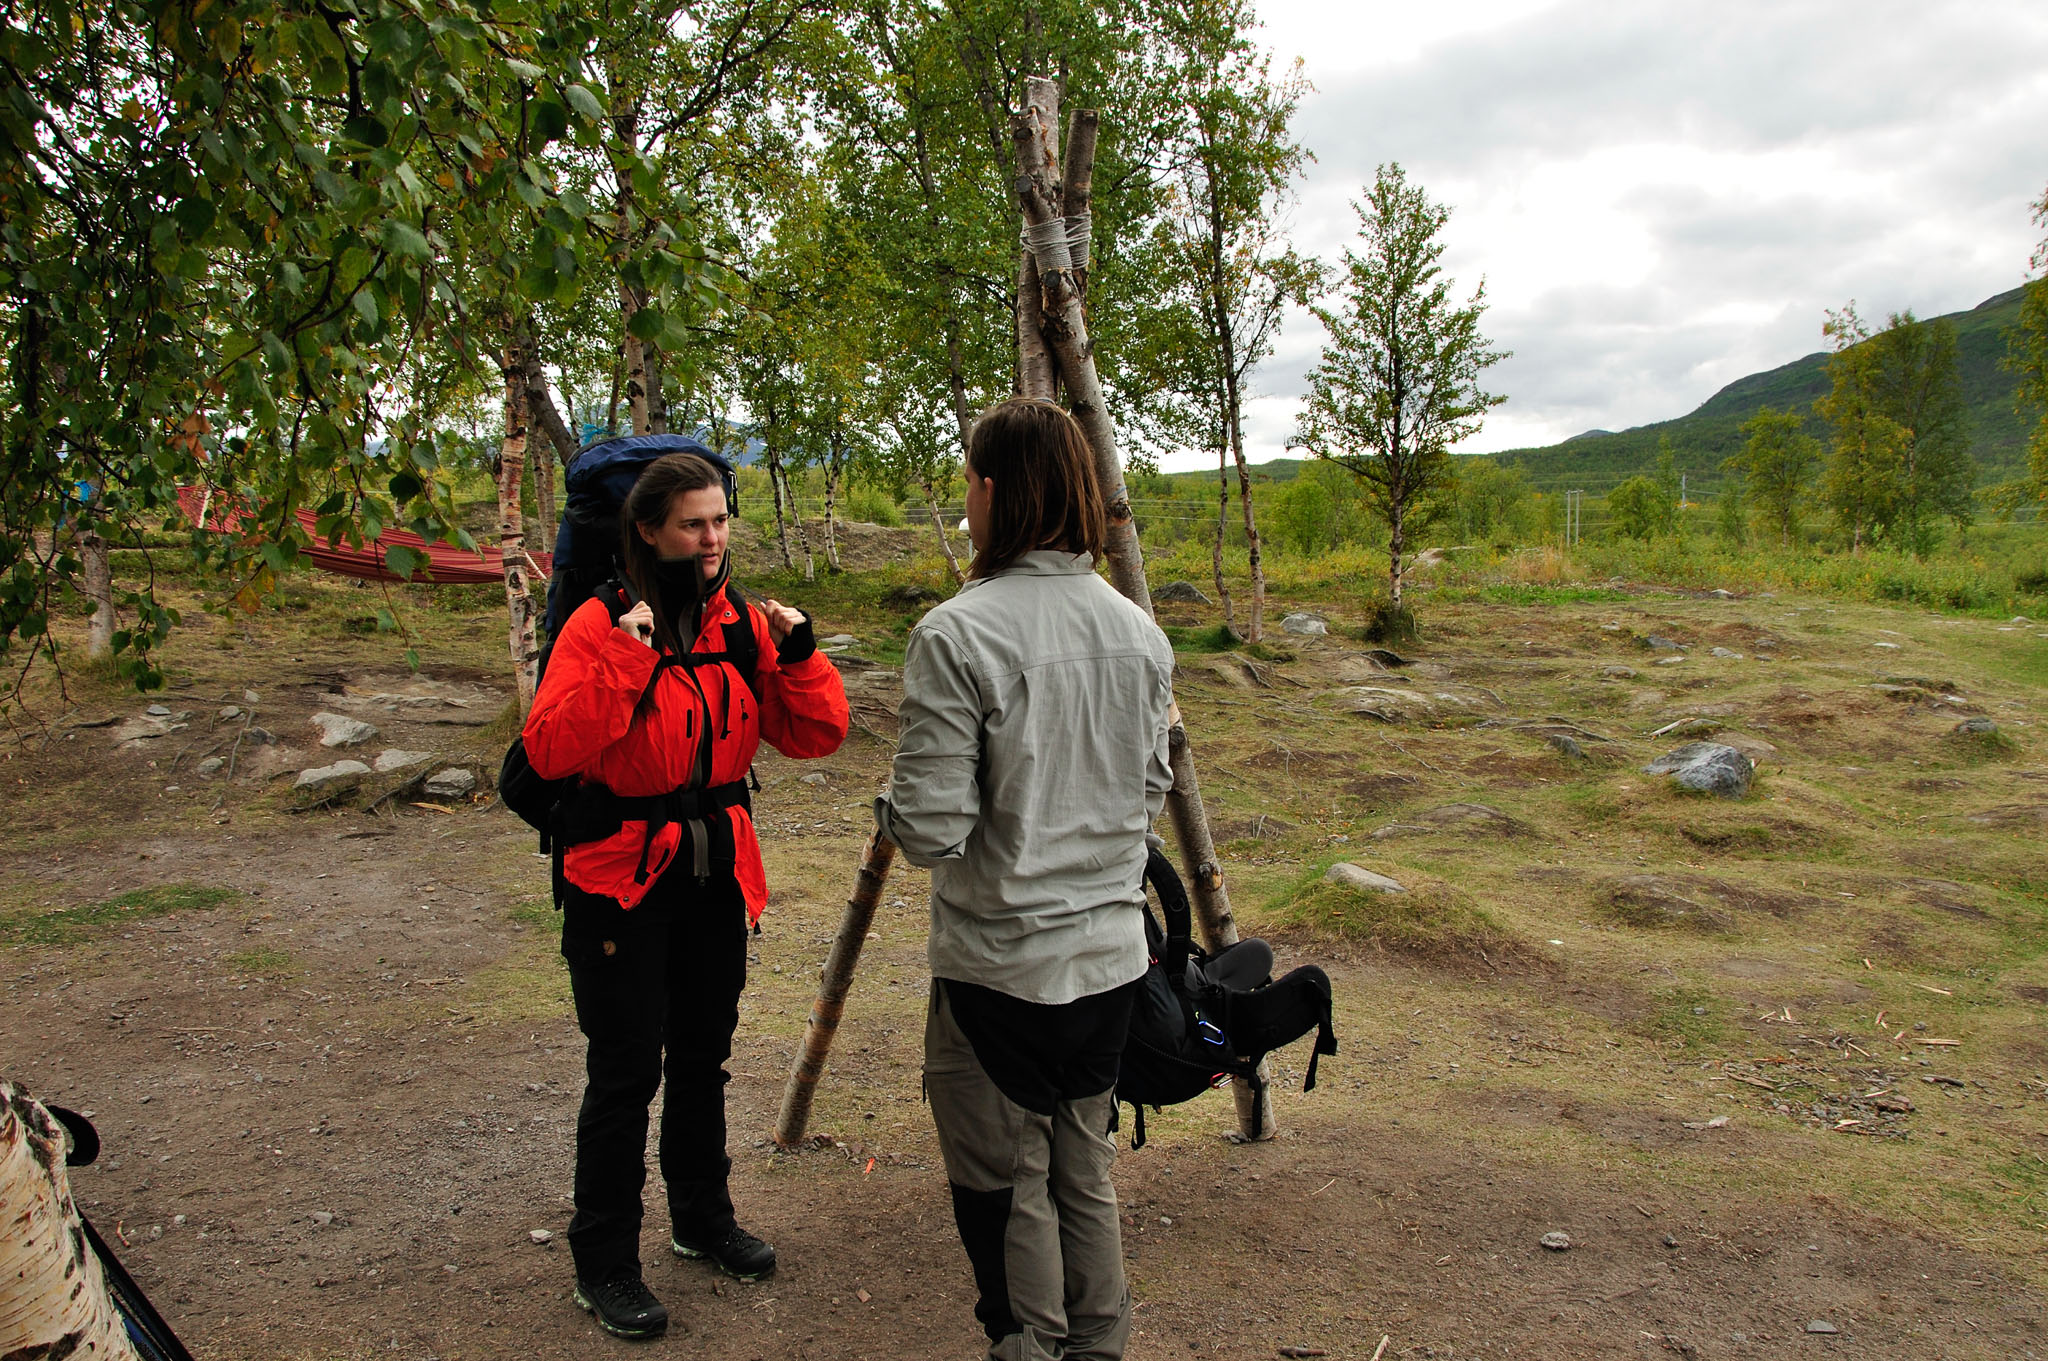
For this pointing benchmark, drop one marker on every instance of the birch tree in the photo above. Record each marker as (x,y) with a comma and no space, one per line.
(1223,235)
(1398,383)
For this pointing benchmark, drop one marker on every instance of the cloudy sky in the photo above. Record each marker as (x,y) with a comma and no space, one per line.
(1662,198)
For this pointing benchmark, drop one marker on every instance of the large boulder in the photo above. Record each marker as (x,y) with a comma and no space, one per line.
(1305,625)
(1707,767)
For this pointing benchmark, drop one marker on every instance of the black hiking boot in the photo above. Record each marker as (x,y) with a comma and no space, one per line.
(738,1253)
(623,1305)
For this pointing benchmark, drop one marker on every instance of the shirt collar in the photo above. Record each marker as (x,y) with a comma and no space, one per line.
(1041,562)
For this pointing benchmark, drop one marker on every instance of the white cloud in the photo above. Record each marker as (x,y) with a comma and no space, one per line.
(1662,200)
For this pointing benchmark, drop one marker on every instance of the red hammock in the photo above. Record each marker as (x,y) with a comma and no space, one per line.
(447,565)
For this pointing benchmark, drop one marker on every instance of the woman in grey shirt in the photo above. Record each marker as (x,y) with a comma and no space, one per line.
(1032,760)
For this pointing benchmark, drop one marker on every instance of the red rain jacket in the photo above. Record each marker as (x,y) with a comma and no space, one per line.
(582,723)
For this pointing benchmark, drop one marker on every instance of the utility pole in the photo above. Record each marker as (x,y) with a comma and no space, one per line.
(1574,509)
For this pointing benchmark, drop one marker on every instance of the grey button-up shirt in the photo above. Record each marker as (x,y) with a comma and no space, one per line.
(1032,761)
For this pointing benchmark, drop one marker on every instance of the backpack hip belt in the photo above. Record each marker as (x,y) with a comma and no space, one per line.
(593,812)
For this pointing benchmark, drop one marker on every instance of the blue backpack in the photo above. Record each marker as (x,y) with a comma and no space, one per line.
(587,543)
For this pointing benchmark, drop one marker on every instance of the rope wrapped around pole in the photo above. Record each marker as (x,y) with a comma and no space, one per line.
(833,986)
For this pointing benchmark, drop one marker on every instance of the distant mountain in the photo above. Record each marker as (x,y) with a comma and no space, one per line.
(1598,459)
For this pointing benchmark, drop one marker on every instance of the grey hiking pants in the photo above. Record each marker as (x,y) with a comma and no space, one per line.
(1031,1194)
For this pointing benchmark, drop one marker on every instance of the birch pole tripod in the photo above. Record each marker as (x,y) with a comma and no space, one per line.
(1054,352)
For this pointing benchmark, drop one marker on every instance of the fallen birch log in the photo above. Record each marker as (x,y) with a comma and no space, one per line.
(53,1298)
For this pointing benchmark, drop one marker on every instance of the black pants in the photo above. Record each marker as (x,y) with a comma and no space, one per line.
(657,995)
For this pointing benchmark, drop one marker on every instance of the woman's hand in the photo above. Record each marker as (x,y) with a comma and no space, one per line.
(638,624)
(781,619)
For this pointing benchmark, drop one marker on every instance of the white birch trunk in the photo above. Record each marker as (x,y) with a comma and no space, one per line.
(53,1297)
(519,600)
(1216,552)
(99,589)
(833,460)
(931,502)
(776,484)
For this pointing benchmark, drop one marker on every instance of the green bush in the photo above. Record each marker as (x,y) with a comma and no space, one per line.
(873,505)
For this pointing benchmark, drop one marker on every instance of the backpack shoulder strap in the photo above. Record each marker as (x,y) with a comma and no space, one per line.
(742,645)
(1173,903)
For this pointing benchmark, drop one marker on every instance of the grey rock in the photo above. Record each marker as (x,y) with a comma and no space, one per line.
(140,729)
(228,713)
(329,777)
(211,765)
(1709,767)
(1721,593)
(262,737)
(838,640)
(451,783)
(1181,593)
(1725,654)
(1821,1325)
(1660,644)
(908,597)
(391,758)
(158,711)
(1351,876)
(1976,726)
(1566,746)
(251,697)
(816,777)
(1308,625)
(339,730)
(1556,1241)
(1670,661)
(1618,672)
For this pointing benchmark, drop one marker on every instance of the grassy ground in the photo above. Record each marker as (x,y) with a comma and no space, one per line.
(1821,1002)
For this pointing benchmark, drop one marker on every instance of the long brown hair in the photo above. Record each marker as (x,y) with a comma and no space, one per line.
(1046,492)
(648,504)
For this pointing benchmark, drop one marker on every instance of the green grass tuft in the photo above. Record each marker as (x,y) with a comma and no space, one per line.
(1432,918)
(68,924)
(262,962)
(1687,1018)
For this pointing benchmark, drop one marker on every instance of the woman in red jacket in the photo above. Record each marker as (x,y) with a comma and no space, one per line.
(662,872)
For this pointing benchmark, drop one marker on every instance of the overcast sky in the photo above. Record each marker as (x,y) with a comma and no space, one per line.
(1662,198)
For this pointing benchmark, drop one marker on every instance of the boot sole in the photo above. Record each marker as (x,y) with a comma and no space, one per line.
(588,1306)
(700,1255)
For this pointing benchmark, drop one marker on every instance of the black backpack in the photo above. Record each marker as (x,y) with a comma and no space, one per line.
(585,565)
(1202,1018)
